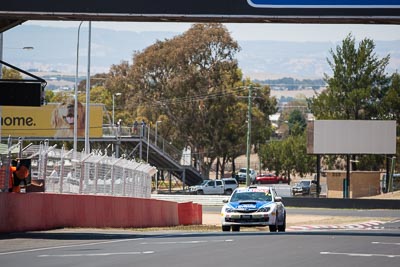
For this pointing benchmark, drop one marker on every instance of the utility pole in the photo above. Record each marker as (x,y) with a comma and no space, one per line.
(248,147)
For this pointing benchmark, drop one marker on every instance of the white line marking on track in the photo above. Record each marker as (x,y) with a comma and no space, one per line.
(98,254)
(186,242)
(359,254)
(68,246)
(385,243)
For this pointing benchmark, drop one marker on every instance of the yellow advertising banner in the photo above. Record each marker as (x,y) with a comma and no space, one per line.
(51,120)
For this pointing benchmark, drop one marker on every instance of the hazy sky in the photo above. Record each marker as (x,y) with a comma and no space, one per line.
(247,31)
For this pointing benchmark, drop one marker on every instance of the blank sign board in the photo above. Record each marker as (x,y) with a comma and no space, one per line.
(351,137)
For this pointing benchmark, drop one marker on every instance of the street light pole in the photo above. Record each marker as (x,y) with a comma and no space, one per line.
(76,93)
(87,113)
(113,107)
(155,141)
(248,136)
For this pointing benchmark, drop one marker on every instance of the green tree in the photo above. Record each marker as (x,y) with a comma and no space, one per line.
(11,74)
(297,122)
(355,89)
(390,108)
(193,84)
(49,96)
(288,156)
(359,89)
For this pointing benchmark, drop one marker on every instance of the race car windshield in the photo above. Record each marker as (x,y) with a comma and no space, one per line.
(255,196)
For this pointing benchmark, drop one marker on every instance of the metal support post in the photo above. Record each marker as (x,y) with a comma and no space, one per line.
(318,174)
(348,173)
(248,136)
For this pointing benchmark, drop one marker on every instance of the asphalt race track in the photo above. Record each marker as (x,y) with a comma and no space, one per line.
(80,247)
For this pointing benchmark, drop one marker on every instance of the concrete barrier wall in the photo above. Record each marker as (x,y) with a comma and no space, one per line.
(340,203)
(190,213)
(302,202)
(38,211)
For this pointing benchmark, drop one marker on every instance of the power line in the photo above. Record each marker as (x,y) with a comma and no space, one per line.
(233,91)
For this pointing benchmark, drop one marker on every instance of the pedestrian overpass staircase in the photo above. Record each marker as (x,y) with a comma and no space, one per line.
(142,145)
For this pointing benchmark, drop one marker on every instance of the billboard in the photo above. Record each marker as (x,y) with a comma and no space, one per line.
(55,120)
(351,137)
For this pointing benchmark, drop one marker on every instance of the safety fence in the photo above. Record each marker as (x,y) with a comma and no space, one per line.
(64,171)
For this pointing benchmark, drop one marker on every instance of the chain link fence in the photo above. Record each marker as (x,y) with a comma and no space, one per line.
(67,172)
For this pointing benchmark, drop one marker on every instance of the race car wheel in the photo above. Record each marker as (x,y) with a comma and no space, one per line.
(235,228)
(282,228)
(226,228)
(273,228)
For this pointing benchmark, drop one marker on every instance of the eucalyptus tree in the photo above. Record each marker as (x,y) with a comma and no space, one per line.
(192,83)
(189,82)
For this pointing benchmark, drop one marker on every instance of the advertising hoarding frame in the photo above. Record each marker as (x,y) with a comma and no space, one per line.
(351,137)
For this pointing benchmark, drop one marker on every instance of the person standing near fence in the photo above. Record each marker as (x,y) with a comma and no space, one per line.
(143,130)
(135,127)
(119,127)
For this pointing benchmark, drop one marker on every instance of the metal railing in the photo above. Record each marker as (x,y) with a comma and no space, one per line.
(150,136)
(80,173)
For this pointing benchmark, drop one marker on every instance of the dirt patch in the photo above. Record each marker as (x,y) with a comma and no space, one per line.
(390,195)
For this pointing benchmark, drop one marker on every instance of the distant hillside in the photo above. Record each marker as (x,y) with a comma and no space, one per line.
(55,50)
(272,60)
(290,84)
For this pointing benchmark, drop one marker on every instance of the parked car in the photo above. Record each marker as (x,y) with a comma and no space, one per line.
(254,206)
(214,187)
(230,185)
(395,182)
(241,177)
(269,178)
(305,187)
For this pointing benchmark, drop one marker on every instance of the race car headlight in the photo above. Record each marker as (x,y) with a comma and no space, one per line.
(228,210)
(264,209)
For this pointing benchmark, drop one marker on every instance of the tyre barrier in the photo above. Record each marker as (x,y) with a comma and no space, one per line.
(43,211)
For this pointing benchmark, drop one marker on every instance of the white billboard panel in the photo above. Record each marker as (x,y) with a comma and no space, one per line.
(351,137)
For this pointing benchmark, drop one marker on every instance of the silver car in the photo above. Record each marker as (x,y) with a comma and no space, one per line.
(254,206)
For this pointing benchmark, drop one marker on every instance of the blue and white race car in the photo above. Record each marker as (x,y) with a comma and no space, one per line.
(254,206)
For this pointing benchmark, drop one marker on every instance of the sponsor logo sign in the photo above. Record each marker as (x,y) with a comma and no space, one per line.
(51,120)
